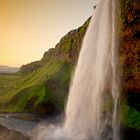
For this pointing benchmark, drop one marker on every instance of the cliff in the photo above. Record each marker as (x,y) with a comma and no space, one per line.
(42,86)
(130,58)
(66,50)
(130,49)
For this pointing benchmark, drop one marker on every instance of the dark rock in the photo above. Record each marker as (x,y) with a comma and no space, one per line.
(131,134)
(130,48)
(28,68)
(6,134)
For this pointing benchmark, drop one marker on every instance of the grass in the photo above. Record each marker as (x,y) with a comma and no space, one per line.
(130,117)
(19,91)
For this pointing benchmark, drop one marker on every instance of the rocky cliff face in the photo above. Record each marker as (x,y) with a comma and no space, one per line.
(130,58)
(69,46)
(66,50)
(131,46)
(130,49)
(28,68)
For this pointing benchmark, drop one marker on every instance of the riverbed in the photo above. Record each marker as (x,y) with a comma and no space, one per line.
(6,134)
(20,124)
(23,124)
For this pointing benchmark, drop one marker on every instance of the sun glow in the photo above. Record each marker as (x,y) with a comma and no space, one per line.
(29,27)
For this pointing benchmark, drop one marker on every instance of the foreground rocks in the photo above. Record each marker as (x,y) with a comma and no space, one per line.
(6,134)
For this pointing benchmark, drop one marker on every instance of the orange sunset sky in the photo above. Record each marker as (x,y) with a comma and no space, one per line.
(28,28)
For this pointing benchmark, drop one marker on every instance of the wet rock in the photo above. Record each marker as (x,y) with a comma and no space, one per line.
(6,134)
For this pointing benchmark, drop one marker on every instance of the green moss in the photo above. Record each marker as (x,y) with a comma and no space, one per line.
(66,45)
(130,117)
(57,86)
(26,92)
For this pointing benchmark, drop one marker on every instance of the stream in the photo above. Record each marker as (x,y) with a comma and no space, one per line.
(25,123)
(20,122)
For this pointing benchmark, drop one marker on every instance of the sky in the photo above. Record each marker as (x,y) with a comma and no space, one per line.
(28,28)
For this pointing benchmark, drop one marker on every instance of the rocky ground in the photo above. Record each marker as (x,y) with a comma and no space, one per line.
(6,134)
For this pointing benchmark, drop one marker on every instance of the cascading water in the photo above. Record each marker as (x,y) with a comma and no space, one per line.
(92,107)
(93,100)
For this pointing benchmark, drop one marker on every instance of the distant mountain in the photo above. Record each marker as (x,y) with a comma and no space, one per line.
(8,69)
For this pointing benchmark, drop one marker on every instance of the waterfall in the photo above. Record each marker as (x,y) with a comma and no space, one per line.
(92,107)
(93,102)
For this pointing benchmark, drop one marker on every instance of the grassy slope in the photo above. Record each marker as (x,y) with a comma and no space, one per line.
(131,117)
(42,86)
(18,90)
